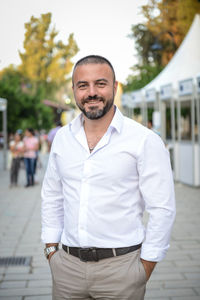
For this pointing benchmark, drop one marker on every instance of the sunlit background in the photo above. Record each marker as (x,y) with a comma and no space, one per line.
(152,44)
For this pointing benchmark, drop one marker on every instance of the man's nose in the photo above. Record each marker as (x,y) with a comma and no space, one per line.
(92,91)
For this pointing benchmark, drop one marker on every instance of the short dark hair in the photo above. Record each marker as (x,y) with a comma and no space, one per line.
(93,59)
(31,130)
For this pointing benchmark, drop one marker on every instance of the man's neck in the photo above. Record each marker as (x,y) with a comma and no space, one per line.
(100,125)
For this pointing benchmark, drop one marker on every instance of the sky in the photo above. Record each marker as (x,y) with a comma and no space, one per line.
(99,26)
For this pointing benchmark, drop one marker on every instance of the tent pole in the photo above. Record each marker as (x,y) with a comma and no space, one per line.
(198,132)
(179,134)
(163,119)
(173,131)
(193,133)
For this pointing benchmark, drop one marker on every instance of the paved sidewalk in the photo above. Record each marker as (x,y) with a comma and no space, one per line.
(176,278)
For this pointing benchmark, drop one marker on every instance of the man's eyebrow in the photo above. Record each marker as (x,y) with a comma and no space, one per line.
(102,79)
(81,82)
(85,82)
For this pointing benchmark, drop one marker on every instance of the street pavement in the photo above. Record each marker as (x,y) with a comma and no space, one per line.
(176,278)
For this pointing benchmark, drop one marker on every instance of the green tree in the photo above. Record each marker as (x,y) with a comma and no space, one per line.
(167,22)
(24,110)
(45,59)
(144,75)
(144,40)
(44,70)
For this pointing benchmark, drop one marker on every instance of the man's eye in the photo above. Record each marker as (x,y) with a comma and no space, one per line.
(101,84)
(82,86)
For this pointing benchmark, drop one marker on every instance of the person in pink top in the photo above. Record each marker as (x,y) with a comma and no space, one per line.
(16,148)
(31,146)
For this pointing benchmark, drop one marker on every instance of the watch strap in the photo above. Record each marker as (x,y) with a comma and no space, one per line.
(49,250)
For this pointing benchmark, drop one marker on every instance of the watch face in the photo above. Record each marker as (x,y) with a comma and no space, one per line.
(48,250)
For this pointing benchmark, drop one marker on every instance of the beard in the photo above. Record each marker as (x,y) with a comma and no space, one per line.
(94,112)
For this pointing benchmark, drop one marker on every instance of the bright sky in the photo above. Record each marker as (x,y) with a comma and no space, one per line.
(99,27)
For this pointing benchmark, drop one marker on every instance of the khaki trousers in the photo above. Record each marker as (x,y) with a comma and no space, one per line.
(121,277)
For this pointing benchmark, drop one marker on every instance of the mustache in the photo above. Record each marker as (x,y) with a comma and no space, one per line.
(89,98)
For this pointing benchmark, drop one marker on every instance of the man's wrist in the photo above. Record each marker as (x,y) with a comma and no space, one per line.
(50,249)
(148,266)
(51,244)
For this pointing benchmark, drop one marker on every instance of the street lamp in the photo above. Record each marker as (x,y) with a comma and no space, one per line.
(157,45)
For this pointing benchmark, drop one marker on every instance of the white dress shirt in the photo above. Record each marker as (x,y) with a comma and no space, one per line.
(97,199)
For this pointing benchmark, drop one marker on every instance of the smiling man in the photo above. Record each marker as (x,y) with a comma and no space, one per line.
(104,170)
(91,89)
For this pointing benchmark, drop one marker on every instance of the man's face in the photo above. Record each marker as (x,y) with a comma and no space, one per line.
(94,89)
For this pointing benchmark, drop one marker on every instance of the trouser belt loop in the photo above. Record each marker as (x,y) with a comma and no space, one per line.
(94,254)
(68,249)
(114,252)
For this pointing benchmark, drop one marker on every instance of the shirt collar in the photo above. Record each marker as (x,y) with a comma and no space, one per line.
(117,120)
(116,123)
(76,124)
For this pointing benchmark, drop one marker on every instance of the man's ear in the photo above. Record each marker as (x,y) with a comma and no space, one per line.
(115,87)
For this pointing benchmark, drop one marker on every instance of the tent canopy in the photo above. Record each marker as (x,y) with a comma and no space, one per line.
(184,64)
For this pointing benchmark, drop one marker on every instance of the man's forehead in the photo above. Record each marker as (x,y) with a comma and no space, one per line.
(93,65)
(85,69)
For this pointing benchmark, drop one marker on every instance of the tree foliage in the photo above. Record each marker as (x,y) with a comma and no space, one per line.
(45,59)
(24,109)
(44,70)
(167,23)
(144,75)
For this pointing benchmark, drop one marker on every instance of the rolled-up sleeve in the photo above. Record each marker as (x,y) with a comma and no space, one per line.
(157,190)
(52,211)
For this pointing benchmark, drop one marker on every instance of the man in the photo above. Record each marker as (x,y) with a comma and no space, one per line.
(104,170)
(52,134)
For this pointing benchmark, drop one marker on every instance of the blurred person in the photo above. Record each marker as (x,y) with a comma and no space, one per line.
(1,140)
(43,142)
(16,147)
(103,172)
(149,124)
(52,134)
(37,159)
(31,146)
(9,153)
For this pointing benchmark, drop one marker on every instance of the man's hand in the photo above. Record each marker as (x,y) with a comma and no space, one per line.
(148,266)
(52,253)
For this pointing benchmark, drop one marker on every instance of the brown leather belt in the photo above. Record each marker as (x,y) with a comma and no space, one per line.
(95,254)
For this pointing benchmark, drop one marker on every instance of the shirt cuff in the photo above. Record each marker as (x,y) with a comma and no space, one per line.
(51,235)
(153,253)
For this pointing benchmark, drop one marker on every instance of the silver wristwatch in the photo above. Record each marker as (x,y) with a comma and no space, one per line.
(49,250)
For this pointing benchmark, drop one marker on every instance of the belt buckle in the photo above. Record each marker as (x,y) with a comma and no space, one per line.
(92,249)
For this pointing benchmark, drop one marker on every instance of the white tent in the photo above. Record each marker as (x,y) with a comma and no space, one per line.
(179,84)
(184,64)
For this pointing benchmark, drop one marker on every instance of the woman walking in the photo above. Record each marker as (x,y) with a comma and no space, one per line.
(31,146)
(16,149)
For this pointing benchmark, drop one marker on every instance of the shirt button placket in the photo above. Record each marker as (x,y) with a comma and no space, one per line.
(83,212)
